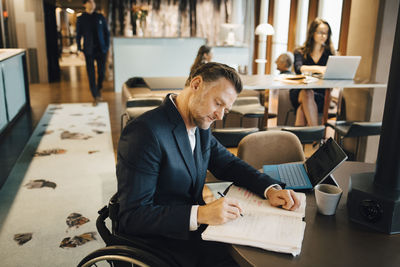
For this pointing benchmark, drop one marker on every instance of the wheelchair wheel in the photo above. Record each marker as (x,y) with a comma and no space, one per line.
(121,256)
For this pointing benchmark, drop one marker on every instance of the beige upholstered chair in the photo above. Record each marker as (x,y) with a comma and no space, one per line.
(270,147)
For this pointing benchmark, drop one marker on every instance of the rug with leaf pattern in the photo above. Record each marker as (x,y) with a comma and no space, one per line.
(49,203)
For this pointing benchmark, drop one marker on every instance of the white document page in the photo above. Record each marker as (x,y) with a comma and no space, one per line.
(262,225)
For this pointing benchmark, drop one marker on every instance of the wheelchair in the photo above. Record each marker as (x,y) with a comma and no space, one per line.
(121,251)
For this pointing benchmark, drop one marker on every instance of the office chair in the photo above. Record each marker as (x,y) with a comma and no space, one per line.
(347,129)
(307,134)
(230,137)
(137,106)
(270,147)
(121,251)
(250,107)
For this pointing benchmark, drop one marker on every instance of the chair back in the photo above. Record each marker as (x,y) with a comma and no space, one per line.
(230,137)
(144,102)
(270,147)
(364,129)
(137,106)
(307,134)
(247,100)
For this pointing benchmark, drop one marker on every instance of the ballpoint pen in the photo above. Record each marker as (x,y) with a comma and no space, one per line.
(222,195)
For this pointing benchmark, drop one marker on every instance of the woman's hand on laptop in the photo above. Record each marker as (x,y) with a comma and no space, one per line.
(313,69)
(321,69)
(285,198)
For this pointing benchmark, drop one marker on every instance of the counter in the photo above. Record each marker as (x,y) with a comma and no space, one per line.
(14,85)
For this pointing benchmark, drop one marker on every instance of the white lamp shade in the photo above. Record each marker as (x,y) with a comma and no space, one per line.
(265,29)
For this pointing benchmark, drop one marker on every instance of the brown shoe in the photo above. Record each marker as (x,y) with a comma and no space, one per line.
(96,101)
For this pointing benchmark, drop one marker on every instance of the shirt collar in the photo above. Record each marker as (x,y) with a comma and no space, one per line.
(172,97)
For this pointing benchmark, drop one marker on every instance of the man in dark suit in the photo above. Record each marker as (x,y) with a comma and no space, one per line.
(163,157)
(92,26)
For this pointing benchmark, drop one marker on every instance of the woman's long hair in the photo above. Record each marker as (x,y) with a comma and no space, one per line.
(199,60)
(308,46)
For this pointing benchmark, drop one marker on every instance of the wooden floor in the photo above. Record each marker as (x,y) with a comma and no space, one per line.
(73,88)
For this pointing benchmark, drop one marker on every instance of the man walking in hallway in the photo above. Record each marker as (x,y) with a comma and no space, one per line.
(92,26)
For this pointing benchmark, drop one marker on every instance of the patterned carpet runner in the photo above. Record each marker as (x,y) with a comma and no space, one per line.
(48,206)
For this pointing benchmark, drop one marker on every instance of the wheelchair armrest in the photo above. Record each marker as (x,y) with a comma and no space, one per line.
(113,208)
(102,228)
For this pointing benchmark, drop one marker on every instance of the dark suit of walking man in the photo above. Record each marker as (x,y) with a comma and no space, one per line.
(92,26)
(163,157)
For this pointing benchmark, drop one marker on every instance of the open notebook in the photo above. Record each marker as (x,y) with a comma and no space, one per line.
(262,225)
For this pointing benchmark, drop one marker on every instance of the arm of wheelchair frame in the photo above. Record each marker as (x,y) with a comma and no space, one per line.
(102,228)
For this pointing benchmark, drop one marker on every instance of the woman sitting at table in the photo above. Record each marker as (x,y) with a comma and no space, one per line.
(311,59)
(204,55)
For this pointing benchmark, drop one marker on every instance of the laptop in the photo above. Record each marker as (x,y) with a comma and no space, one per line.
(313,171)
(341,67)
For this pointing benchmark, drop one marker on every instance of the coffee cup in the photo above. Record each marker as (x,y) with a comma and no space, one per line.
(327,197)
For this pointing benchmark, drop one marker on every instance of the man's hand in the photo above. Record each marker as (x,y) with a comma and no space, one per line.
(285,198)
(219,211)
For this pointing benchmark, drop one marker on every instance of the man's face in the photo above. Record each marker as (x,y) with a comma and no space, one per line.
(210,101)
(90,6)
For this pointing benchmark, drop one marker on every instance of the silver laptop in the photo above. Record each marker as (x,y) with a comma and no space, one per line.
(341,67)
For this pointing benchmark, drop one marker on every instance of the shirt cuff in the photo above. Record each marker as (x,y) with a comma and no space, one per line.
(276,186)
(193,218)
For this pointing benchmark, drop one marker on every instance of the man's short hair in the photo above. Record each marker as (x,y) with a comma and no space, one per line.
(84,1)
(213,71)
(287,58)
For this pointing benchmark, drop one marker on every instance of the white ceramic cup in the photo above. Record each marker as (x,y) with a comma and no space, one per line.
(327,197)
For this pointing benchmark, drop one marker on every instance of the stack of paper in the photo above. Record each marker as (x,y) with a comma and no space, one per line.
(262,225)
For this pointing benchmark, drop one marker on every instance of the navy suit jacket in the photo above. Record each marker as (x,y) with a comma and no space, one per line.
(159,178)
(84,29)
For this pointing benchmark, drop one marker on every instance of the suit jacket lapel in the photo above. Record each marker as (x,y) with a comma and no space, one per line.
(198,157)
(181,136)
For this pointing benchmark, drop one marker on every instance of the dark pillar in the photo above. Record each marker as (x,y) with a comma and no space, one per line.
(374,198)
(388,161)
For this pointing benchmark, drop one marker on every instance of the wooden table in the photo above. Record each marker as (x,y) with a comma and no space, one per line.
(261,82)
(331,240)
(264,82)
